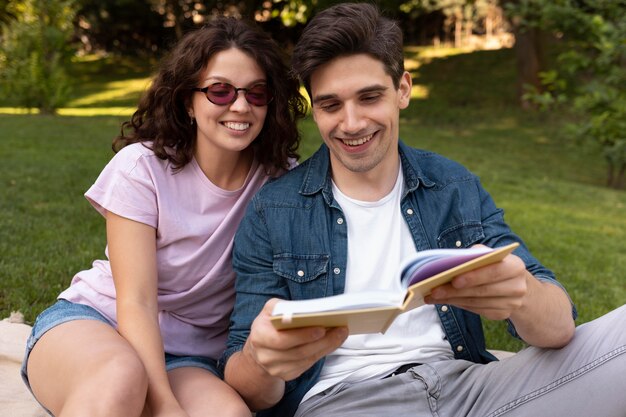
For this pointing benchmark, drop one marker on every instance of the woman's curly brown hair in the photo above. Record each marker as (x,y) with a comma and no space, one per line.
(162,117)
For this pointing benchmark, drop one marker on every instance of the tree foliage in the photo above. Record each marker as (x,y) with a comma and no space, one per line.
(589,73)
(146,26)
(127,27)
(457,18)
(35,52)
(149,26)
(6,12)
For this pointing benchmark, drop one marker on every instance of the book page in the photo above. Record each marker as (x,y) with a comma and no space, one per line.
(346,301)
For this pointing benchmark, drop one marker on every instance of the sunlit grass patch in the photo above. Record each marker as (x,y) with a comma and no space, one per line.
(112,91)
(97,111)
(74,111)
(419,92)
(18,110)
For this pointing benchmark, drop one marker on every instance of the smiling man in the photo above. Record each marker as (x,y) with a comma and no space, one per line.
(357,114)
(342,222)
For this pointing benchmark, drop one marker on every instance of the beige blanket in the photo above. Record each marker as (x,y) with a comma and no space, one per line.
(15,399)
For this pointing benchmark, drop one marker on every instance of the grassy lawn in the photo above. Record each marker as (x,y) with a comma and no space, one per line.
(464,107)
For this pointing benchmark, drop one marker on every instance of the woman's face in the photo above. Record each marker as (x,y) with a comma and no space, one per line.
(229,128)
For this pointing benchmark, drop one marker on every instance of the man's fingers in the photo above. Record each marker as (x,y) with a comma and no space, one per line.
(288,353)
(511,266)
(290,363)
(508,288)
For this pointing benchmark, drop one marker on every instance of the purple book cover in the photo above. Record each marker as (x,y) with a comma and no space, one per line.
(415,275)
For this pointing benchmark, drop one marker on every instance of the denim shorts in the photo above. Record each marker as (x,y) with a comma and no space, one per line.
(63,311)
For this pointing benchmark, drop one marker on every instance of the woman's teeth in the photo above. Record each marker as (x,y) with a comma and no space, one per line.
(237,126)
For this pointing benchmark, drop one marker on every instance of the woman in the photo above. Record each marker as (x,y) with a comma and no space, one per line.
(139,334)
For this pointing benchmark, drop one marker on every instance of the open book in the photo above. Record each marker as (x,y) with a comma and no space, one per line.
(374,311)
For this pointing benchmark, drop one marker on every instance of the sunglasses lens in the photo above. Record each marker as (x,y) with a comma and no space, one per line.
(258,95)
(221,93)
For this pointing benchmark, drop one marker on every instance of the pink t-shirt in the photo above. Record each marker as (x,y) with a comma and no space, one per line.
(195,222)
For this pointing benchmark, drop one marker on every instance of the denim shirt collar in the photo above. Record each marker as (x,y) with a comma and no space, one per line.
(318,178)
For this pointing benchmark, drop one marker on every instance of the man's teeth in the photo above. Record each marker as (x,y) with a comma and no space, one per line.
(237,126)
(357,142)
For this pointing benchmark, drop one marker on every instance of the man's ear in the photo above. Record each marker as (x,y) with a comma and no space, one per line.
(404,90)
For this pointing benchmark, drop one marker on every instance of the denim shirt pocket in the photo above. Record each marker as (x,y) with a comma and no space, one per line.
(306,276)
(461,236)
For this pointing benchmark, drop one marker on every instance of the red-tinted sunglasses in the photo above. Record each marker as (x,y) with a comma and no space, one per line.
(224,94)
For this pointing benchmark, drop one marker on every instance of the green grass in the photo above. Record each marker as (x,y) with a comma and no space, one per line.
(111,82)
(101,86)
(465,108)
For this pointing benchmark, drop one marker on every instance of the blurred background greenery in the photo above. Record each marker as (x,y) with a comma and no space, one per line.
(528,94)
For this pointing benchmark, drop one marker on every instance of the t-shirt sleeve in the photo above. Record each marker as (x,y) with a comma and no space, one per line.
(126,187)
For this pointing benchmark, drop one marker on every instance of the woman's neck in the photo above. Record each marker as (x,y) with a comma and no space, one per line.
(227,170)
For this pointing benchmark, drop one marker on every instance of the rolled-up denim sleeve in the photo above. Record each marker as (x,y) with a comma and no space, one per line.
(498,233)
(255,281)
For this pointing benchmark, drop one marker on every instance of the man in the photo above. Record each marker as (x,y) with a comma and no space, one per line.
(343,220)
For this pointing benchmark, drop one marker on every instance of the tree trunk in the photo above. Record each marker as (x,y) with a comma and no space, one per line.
(178,16)
(529,56)
(620,178)
(469,28)
(458,27)
(530,61)
(489,23)
(615,177)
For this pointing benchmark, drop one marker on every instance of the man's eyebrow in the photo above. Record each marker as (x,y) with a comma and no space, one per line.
(373,89)
(369,89)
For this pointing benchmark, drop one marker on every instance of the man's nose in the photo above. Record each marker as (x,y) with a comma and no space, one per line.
(352,119)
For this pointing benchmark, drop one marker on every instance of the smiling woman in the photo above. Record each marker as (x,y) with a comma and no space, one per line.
(227,120)
(187,164)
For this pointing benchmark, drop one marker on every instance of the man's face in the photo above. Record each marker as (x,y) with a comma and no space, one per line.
(357,110)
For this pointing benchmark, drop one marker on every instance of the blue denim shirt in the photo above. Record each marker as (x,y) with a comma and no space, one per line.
(294,224)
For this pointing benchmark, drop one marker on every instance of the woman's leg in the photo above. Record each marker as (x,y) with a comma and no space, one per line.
(202,394)
(85,368)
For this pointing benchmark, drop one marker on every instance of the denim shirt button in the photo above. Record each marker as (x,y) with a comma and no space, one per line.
(409,212)
(444,309)
(459,348)
(336,271)
(340,221)
(300,273)
(458,243)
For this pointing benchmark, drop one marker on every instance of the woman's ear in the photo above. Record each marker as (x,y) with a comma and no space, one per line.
(189,106)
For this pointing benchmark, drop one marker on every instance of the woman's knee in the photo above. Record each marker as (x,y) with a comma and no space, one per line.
(123,377)
(114,384)
(236,409)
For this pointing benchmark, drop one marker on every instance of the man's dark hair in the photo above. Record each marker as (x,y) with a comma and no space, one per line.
(348,29)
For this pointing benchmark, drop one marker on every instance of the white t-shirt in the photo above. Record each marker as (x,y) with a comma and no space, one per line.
(378,239)
(195,223)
